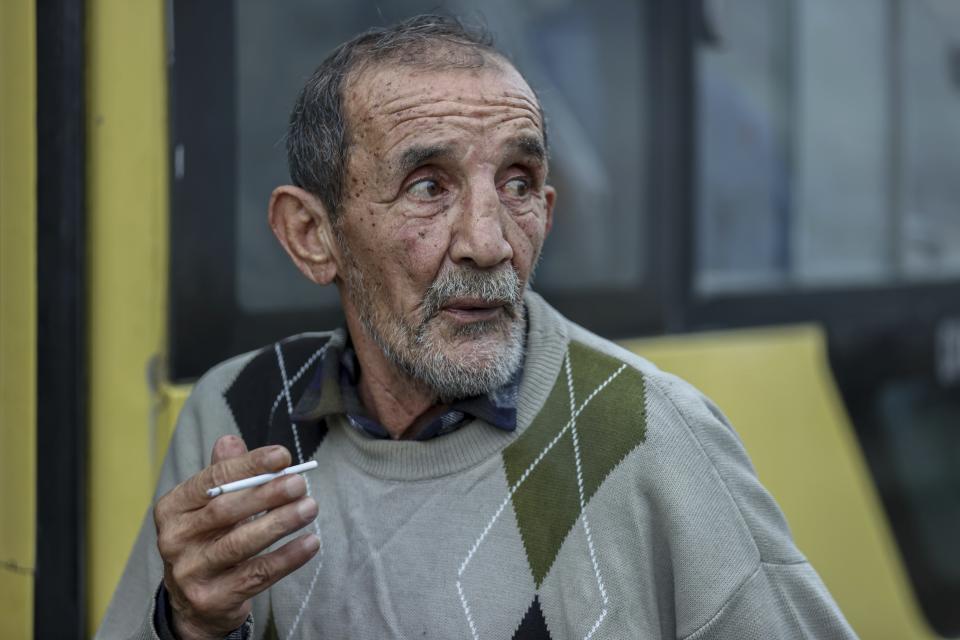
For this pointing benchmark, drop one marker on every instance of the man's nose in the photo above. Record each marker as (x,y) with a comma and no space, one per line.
(479,236)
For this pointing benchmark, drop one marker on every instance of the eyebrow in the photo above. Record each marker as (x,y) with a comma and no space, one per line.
(420,154)
(531,146)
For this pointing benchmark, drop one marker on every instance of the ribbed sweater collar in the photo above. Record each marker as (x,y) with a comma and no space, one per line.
(473,443)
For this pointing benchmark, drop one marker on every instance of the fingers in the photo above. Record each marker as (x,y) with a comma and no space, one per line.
(209,546)
(192,494)
(252,537)
(227,447)
(260,572)
(228,509)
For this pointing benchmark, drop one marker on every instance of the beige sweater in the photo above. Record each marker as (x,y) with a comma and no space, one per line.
(623,506)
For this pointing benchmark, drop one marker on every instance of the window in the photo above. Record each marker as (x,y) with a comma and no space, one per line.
(929,164)
(827,160)
(575,56)
(246,61)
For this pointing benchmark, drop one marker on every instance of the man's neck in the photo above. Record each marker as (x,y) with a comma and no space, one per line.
(390,397)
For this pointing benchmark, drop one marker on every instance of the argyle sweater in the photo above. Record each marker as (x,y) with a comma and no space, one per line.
(622,506)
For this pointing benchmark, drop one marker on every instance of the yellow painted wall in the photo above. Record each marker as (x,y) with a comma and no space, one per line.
(127,191)
(18,316)
(170,400)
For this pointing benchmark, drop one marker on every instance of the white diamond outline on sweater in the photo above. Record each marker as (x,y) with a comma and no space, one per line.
(316,523)
(299,374)
(516,485)
(583,502)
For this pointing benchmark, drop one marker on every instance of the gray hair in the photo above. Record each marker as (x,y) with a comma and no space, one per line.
(318,135)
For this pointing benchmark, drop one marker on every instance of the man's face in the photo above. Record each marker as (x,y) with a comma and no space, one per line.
(444,214)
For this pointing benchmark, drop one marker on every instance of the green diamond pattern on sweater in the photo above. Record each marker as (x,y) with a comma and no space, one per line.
(614,423)
(542,463)
(271,628)
(547,504)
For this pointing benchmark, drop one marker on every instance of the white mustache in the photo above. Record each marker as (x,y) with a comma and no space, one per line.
(495,287)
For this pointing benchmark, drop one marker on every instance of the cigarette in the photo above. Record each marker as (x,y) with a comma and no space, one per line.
(263,478)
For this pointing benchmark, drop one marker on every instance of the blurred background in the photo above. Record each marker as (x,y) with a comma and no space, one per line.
(762,196)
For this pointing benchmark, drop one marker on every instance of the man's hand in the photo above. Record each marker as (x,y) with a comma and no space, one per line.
(209,546)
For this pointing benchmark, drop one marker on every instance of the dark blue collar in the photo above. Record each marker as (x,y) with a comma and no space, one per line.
(334,391)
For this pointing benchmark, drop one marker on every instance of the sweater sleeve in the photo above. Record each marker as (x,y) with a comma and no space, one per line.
(770,589)
(204,418)
(785,601)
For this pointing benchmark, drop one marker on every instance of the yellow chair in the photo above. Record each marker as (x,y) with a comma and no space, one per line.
(776,387)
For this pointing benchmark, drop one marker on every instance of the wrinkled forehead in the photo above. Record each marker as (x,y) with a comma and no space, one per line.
(386,96)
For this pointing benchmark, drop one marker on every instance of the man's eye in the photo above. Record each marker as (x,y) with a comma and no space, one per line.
(425,189)
(517,187)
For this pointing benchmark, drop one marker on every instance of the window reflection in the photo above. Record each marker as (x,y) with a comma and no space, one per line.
(586,64)
(930,192)
(826,158)
(742,208)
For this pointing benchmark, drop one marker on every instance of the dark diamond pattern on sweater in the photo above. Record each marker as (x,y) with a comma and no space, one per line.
(534,625)
(547,499)
(252,397)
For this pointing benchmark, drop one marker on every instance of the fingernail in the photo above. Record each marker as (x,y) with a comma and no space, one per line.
(276,457)
(311,543)
(294,486)
(307,509)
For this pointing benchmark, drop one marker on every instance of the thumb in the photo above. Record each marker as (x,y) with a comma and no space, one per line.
(227,447)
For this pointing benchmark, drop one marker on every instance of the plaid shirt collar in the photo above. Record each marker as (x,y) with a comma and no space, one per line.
(334,390)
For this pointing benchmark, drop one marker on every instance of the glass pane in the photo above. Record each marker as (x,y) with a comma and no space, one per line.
(742,162)
(841,216)
(912,442)
(931,139)
(918,421)
(827,160)
(585,63)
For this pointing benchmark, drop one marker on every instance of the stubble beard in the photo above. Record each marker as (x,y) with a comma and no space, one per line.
(451,361)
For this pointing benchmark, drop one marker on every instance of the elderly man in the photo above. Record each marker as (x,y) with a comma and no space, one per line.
(487,469)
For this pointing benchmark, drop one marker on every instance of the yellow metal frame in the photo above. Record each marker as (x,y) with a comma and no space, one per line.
(127,191)
(18,315)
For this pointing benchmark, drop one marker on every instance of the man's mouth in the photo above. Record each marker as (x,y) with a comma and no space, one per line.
(467,310)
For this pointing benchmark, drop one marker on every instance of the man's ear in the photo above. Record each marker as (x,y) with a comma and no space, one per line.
(302,226)
(550,196)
